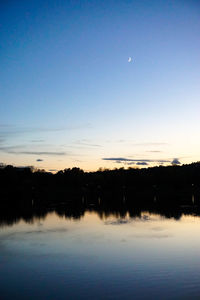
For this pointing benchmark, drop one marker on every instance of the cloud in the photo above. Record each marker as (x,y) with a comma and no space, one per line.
(39,153)
(9,149)
(12,150)
(123,159)
(52,170)
(13,130)
(117,159)
(176,161)
(144,163)
(39,159)
(9,132)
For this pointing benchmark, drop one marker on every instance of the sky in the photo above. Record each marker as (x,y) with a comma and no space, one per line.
(72,97)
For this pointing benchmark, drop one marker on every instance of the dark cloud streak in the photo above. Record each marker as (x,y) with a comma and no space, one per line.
(122,159)
(142,163)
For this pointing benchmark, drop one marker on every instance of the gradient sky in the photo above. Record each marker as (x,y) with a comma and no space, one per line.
(69,97)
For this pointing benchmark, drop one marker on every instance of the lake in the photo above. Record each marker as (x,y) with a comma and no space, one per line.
(95,254)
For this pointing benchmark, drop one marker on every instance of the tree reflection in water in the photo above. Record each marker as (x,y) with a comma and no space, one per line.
(14,210)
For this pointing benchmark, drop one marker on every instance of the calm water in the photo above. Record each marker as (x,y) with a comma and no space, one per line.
(108,257)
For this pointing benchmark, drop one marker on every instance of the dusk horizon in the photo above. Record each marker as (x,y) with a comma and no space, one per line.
(99,84)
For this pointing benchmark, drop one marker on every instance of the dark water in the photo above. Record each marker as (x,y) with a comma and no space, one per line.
(100,255)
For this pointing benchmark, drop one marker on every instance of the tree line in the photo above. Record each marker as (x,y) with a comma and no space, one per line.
(35,183)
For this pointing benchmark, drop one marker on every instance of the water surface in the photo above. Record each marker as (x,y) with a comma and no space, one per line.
(100,256)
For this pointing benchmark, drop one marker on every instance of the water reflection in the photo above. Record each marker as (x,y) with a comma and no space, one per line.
(13,211)
(96,248)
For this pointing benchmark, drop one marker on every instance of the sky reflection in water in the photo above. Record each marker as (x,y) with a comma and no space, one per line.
(142,257)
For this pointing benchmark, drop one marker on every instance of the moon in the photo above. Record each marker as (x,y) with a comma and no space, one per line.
(129,59)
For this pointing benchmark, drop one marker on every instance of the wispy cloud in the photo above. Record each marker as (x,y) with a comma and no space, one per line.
(10,130)
(13,130)
(39,159)
(17,150)
(39,152)
(9,149)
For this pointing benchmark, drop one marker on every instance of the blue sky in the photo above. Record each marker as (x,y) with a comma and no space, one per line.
(69,97)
